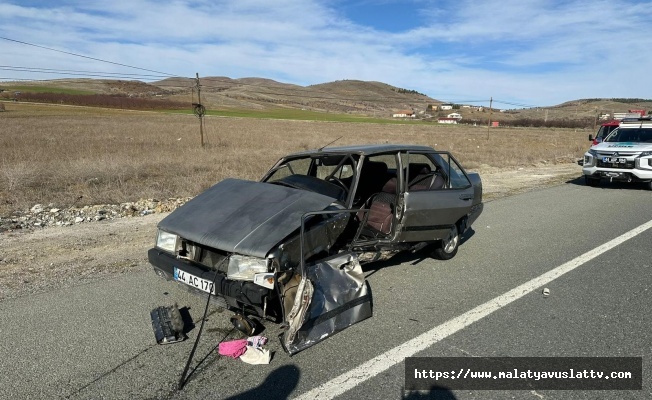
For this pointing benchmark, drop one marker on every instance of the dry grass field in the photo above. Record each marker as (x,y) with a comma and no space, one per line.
(72,155)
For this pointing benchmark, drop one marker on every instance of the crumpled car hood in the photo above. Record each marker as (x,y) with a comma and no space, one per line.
(243,217)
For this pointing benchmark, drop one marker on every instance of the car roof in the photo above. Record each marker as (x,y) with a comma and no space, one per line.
(644,122)
(367,149)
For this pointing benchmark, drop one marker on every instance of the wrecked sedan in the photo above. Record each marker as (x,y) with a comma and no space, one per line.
(289,248)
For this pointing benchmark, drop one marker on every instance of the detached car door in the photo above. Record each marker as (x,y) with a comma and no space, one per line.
(332,295)
(433,201)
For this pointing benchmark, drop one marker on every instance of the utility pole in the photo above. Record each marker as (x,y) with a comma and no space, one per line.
(199,110)
(576,111)
(595,120)
(491,100)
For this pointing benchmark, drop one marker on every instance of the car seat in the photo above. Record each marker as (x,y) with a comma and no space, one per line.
(381,206)
(423,178)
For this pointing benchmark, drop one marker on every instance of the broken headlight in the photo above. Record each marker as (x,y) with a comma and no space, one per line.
(166,241)
(243,268)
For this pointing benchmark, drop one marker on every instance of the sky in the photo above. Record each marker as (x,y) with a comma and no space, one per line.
(518,53)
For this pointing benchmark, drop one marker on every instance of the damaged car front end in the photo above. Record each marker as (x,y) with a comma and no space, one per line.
(289,248)
(235,248)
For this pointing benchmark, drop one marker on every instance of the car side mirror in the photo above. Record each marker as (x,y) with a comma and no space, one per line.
(590,138)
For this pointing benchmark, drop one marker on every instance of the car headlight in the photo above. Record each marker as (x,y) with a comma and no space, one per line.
(590,157)
(243,268)
(166,241)
(647,163)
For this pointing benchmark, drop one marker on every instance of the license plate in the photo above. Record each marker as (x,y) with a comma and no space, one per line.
(614,160)
(194,281)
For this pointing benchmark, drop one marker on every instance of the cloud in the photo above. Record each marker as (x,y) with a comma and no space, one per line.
(536,52)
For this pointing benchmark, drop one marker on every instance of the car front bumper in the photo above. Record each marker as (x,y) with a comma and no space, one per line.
(633,169)
(236,294)
(620,174)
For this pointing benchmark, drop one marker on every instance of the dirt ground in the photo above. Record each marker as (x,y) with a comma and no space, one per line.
(56,257)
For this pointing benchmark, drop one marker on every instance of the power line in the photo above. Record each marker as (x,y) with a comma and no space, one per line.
(83,73)
(6,79)
(40,69)
(328,95)
(515,104)
(164,75)
(83,56)
(167,75)
(190,85)
(385,99)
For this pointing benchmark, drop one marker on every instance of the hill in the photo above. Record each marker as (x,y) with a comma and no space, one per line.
(353,97)
(349,96)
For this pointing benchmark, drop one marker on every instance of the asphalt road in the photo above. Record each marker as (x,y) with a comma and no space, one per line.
(95,340)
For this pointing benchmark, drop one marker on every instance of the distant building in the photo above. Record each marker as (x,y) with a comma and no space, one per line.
(457,116)
(404,114)
(447,120)
(446,107)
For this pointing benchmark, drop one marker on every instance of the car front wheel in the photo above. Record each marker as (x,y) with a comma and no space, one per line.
(648,185)
(590,181)
(447,248)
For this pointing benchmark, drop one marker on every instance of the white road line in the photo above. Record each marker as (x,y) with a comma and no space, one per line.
(377,365)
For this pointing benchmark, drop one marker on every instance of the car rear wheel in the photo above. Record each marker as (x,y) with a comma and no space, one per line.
(590,181)
(447,247)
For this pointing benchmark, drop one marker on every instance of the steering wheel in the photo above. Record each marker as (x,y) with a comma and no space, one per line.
(337,180)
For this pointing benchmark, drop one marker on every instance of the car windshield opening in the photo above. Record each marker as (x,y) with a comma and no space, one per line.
(636,135)
(328,174)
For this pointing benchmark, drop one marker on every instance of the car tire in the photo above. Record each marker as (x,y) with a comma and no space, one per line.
(590,181)
(446,248)
(648,185)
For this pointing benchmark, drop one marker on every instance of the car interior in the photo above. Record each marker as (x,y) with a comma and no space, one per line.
(380,188)
(377,189)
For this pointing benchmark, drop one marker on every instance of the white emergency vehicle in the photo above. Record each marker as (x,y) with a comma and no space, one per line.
(624,155)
